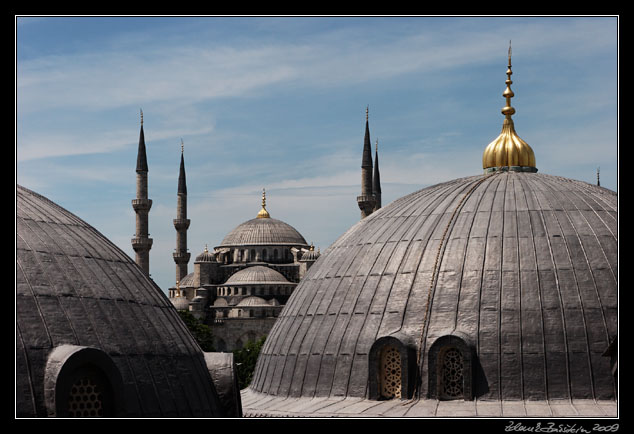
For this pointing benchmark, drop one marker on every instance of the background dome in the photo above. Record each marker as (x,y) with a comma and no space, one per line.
(81,301)
(253,302)
(521,267)
(256,274)
(263,231)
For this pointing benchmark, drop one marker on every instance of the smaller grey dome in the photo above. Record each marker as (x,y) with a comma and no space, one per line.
(206,256)
(187,281)
(180,303)
(309,256)
(253,302)
(257,274)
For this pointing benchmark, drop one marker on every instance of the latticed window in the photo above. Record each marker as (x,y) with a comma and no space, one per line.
(86,398)
(390,373)
(451,374)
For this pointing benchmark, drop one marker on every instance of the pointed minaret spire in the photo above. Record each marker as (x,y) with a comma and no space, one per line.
(182,183)
(366,199)
(141,243)
(181,222)
(141,159)
(376,178)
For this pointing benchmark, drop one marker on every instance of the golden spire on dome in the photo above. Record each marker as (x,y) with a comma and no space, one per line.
(263,214)
(508,150)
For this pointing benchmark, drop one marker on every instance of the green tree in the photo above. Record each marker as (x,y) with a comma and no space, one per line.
(201,331)
(245,359)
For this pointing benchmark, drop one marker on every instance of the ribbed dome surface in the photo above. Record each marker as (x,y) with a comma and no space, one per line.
(256,274)
(523,265)
(253,302)
(263,231)
(76,288)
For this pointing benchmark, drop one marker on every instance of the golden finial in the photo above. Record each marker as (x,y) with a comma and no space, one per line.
(598,181)
(508,150)
(141,117)
(312,247)
(263,214)
(508,111)
(206,251)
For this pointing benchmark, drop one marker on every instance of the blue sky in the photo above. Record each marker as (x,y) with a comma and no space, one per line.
(279,103)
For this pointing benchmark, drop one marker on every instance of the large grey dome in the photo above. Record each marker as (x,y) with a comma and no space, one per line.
(263,231)
(515,271)
(85,312)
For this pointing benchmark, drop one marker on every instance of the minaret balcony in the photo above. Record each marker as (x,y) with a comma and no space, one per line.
(181,224)
(141,204)
(366,199)
(181,257)
(141,243)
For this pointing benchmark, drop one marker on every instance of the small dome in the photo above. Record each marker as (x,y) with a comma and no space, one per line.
(205,256)
(180,303)
(310,255)
(187,281)
(253,302)
(257,274)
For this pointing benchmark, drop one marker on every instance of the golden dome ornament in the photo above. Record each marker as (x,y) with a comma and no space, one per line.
(263,214)
(508,151)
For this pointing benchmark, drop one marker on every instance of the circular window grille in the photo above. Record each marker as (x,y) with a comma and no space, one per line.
(390,373)
(85,399)
(452,374)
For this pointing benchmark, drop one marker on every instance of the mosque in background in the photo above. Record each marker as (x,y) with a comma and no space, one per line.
(239,287)
(493,295)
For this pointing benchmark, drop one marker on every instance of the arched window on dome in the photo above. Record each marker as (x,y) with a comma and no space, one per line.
(82,382)
(275,254)
(390,373)
(252,256)
(451,374)
(264,254)
(391,369)
(450,368)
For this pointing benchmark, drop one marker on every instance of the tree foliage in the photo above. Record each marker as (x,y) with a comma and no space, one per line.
(202,332)
(245,359)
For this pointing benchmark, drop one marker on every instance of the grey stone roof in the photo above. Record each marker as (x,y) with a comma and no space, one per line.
(522,264)
(263,231)
(257,274)
(75,287)
(259,405)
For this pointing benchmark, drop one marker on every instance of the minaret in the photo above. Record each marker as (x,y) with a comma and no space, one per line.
(141,243)
(366,200)
(508,151)
(181,222)
(376,178)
